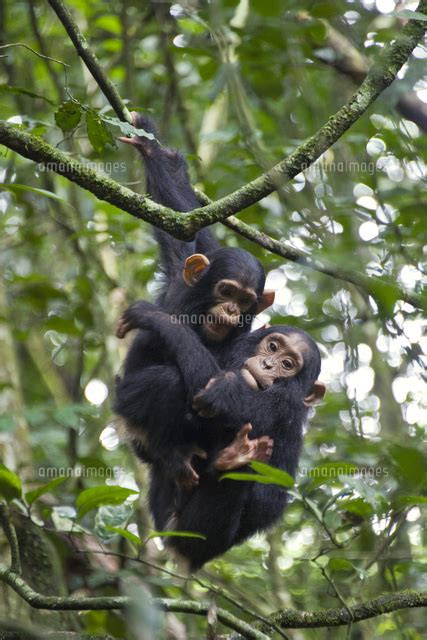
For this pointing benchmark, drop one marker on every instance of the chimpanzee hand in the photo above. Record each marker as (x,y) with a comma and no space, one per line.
(133,317)
(209,402)
(186,477)
(243,451)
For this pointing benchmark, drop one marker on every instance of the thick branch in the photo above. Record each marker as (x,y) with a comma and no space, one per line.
(288,618)
(67,603)
(184,226)
(379,77)
(104,188)
(91,61)
(370,284)
(174,222)
(291,619)
(350,62)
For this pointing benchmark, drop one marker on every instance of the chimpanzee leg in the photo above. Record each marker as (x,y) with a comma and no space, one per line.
(162,497)
(262,509)
(213,511)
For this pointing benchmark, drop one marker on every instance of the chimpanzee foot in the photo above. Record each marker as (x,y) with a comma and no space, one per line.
(242,451)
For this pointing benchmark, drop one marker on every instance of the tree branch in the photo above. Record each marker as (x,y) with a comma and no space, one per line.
(407,599)
(174,222)
(33,148)
(68,603)
(11,537)
(184,226)
(288,618)
(350,62)
(372,285)
(380,76)
(90,60)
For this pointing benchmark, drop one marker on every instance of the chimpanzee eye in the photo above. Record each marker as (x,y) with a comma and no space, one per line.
(272,347)
(288,364)
(225,290)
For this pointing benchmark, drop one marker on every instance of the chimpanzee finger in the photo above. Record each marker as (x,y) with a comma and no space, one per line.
(122,328)
(244,431)
(200,453)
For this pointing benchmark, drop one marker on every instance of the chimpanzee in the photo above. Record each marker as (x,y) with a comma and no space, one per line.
(218,292)
(167,432)
(221,288)
(271,381)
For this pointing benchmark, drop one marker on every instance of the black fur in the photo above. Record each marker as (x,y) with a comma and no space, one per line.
(139,391)
(228,512)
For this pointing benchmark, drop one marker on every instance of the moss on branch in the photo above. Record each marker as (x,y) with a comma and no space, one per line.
(379,77)
(287,618)
(52,159)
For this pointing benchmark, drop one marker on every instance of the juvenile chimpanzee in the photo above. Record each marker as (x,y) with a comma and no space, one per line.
(219,288)
(272,383)
(218,292)
(164,430)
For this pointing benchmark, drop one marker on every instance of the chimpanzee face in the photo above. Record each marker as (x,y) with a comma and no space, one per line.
(227,298)
(277,356)
(231,301)
(280,356)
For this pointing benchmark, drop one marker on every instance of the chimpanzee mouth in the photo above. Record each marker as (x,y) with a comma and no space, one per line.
(251,379)
(216,331)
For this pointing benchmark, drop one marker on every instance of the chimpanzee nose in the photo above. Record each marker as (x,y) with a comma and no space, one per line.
(232,308)
(267,363)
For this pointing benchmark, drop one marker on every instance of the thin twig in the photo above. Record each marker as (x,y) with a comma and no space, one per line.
(90,60)
(10,533)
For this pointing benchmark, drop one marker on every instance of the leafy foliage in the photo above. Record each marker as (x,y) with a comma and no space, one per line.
(236,86)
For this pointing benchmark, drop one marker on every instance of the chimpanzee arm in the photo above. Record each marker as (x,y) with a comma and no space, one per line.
(129,320)
(227,394)
(150,398)
(181,344)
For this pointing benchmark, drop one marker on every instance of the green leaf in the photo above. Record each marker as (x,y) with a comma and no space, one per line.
(68,115)
(279,475)
(252,477)
(97,496)
(330,471)
(32,496)
(174,534)
(358,506)
(16,188)
(109,23)
(125,534)
(7,88)
(324,10)
(67,416)
(125,128)
(408,500)
(340,564)
(98,133)
(62,325)
(7,423)
(410,464)
(409,15)
(10,484)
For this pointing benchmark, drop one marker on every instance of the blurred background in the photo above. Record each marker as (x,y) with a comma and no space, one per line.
(237,86)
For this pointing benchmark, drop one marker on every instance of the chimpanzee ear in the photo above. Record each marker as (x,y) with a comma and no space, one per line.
(266,300)
(317,394)
(194,268)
